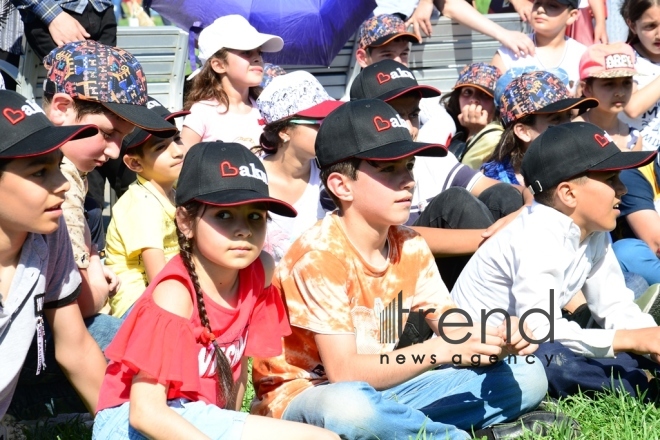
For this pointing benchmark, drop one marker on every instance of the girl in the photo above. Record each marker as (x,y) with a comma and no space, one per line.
(641,113)
(529,105)
(473,110)
(293,107)
(223,91)
(178,363)
(606,72)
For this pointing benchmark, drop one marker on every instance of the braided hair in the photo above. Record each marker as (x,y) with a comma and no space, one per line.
(225,380)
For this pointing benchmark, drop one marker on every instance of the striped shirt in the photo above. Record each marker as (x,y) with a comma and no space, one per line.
(47,10)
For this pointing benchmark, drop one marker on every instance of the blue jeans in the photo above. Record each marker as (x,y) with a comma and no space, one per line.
(50,392)
(448,401)
(216,423)
(637,257)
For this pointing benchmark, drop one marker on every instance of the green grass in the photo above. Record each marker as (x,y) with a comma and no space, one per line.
(610,416)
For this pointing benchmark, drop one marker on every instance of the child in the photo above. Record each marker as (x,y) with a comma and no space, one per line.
(293,107)
(573,171)
(343,280)
(39,276)
(474,112)
(554,51)
(142,235)
(223,91)
(606,72)
(528,106)
(641,113)
(179,362)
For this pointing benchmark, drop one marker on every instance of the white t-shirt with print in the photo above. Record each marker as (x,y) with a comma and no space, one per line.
(648,123)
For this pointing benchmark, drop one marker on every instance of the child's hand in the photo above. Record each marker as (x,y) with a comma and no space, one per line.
(474,118)
(472,351)
(518,345)
(519,43)
(113,281)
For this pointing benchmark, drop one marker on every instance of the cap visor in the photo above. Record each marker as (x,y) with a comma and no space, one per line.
(237,197)
(140,136)
(568,104)
(477,86)
(142,117)
(48,139)
(267,43)
(400,149)
(625,160)
(320,110)
(382,41)
(615,73)
(424,92)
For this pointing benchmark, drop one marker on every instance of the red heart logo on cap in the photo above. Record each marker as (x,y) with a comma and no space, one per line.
(602,140)
(227,170)
(382,124)
(383,77)
(14,116)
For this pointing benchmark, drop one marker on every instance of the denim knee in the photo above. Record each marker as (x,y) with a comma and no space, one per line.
(532,380)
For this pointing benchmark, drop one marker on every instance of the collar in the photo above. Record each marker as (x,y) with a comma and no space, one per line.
(549,215)
(168,206)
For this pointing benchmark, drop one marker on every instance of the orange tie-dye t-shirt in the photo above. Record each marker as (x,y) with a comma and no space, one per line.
(330,289)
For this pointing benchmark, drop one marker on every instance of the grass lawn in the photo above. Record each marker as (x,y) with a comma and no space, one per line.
(612,416)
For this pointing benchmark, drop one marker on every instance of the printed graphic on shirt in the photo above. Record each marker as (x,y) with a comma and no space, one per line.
(232,350)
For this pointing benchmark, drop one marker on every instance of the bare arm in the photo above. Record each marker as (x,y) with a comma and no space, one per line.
(640,341)
(498,62)
(95,285)
(154,261)
(598,10)
(523,8)
(77,353)
(241,385)
(644,99)
(189,137)
(451,242)
(646,226)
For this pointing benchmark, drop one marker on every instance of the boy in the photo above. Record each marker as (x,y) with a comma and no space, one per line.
(356,266)
(559,246)
(38,276)
(451,201)
(555,52)
(142,232)
(88,82)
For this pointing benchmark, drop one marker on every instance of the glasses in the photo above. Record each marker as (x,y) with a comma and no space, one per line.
(306,121)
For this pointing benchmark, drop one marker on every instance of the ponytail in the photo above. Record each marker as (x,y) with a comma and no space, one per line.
(270,140)
(511,147)
(225,379)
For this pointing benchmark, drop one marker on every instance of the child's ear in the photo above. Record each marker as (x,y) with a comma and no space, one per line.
(184,222)
(586,90)
(362,57)
(573,15)
(218,65)
(61,110)
(133,163)
(566,194)
(285,135)
(340,186)
(523,132)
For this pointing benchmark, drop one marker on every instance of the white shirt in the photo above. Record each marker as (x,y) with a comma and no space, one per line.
(648,123)
(540,250)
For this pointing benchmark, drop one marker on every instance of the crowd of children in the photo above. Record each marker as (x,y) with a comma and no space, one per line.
(399,262)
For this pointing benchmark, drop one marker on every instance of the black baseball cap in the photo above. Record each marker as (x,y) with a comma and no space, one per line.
(140,136)
(565,151)
(368,129)
(226,174)
(572,3)
(26,131)
(388,79)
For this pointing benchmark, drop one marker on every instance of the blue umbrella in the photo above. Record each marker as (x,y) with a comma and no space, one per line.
(314,31)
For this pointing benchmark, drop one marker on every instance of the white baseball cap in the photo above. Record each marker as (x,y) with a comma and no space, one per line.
(233,32)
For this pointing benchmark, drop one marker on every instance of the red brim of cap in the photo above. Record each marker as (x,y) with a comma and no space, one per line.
(239,197)
(624,161)
(48,139)
(321,110)
(424,92)
(400,149)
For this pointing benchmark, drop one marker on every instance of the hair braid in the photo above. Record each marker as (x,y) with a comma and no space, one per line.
(225,380)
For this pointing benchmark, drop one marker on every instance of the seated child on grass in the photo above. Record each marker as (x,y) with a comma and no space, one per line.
(142,233)
(559,246)
(344,279)
(39,277)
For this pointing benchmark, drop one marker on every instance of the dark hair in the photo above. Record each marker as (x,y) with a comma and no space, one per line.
(348,168)
(206,85)
(223,368)
(511,147)
(270,140)
(547,197)
(3,165)
(80,106)
(631,11)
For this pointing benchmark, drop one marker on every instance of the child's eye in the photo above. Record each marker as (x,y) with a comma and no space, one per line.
(410,165)
(256,216)
(105,134)
(223,215)
(40,173)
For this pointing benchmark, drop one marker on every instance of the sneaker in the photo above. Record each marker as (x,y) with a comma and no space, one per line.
(10,429)
(537,422)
